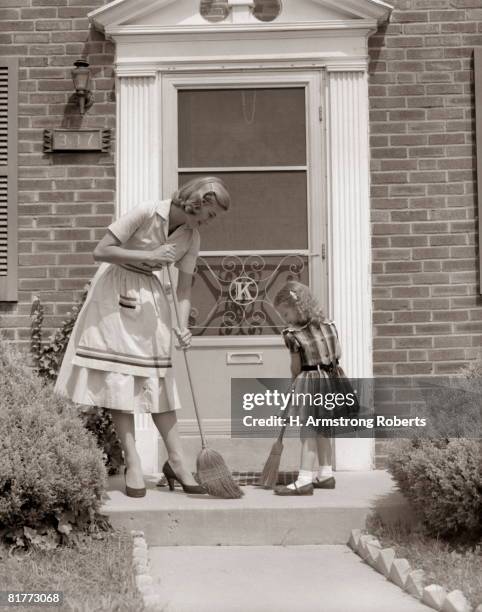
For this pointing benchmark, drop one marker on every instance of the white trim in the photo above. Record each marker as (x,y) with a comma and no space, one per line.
(267,253)
(225,342)
(141,67)
(337,26)
(245,169)
(138,145)
(367,8)
(119,11)
(349,245)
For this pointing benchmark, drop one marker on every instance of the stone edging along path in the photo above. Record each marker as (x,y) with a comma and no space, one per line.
(144,582)
(399,572)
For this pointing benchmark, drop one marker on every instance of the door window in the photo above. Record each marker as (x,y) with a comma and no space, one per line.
(255,140)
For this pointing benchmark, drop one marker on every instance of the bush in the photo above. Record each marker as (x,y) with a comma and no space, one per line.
(442,476)
(442,480)
(52,475)
(48,359)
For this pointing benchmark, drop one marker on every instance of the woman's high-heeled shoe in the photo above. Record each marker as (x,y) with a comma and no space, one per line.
(132,492)
(171,478)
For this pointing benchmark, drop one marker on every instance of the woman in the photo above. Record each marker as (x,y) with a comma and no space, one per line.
(119,354)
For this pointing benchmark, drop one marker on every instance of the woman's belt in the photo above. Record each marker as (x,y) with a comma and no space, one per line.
(319,366)
(132,268)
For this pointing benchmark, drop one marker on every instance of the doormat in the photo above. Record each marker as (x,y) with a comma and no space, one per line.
(244,478)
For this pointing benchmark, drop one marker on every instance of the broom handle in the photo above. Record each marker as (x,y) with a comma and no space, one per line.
(184,350)
(283,428)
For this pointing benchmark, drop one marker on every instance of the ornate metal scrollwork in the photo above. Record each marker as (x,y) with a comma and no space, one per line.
(241,290)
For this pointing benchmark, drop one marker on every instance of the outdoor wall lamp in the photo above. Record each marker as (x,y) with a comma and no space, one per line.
(81,78)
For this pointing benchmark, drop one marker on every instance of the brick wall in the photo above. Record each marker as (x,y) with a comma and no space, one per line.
(427,309)
(65,200)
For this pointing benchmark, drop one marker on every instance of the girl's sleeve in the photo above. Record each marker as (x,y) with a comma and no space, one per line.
(124,227)
(290,341)
(337,342)
(187,263)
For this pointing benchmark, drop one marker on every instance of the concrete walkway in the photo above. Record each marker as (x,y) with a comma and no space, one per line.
(326,578)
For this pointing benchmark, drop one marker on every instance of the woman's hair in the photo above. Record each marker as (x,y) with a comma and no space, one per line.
(299,296)
(191,196)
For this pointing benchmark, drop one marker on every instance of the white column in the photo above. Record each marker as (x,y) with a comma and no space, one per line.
(138,167)
(350,242)
(138,160)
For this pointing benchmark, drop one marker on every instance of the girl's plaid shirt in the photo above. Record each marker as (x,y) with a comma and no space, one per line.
(316,343)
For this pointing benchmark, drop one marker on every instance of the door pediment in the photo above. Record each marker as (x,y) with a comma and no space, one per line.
(158,16)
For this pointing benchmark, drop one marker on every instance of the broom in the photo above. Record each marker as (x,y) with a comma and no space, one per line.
(270,473)
(213,473)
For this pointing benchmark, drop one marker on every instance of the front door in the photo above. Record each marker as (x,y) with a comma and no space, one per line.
(262,136)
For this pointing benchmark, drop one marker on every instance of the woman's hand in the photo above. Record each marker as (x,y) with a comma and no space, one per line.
(161,256)
(184,337)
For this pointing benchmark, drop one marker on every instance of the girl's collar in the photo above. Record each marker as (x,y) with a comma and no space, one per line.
(294,329)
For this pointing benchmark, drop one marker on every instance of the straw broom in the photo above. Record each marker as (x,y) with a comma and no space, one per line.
(213,473)
(270,473)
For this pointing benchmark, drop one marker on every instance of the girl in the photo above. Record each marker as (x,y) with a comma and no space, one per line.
(315,350)
(119,353)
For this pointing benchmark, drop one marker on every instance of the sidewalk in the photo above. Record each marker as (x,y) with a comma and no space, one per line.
(272,579)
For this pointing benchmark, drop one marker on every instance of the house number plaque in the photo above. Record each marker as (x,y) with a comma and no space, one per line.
(68,140)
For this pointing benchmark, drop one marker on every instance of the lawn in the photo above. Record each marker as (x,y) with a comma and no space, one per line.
(96,577)
(449,565)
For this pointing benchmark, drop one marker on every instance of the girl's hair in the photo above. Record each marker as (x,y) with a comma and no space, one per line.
(299,296)
(191,196)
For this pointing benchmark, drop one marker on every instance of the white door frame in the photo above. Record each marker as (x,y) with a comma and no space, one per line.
(341,142)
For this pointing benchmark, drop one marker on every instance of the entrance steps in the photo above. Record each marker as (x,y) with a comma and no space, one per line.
(260,518)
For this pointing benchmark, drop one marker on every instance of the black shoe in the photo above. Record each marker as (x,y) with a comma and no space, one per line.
(327,483)
(171,478)
(304,490)
(132,492)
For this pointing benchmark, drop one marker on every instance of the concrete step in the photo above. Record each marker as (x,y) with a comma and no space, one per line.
(272,579)
(260,517)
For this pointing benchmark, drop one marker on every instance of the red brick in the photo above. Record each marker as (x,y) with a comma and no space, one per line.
(408,369)
(413,342)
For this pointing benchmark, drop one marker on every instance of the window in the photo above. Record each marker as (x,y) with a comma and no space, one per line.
(243,136)
(8,179)
(217,10)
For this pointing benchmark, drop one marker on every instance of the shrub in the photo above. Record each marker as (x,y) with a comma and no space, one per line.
(442,480)
(52,475)
(48,359)
(442,476)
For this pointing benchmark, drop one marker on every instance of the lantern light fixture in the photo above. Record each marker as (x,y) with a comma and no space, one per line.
(81,79)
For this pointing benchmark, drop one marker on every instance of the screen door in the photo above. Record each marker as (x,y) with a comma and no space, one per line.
(261,134)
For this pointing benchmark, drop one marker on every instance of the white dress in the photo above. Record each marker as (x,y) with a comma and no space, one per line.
(119,353)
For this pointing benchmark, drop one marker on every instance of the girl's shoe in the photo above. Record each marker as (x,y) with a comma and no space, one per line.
(132,492)
(304,490)
(327,483)
(171,478)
